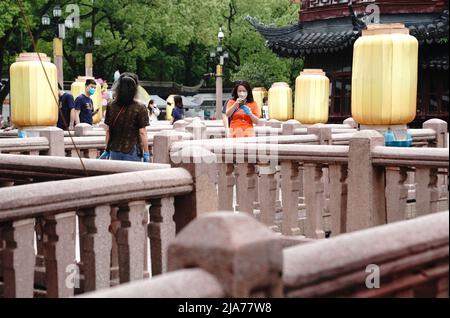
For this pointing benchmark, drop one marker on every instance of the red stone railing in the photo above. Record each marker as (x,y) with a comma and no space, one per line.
(112,212)
(385,261)
(314,189)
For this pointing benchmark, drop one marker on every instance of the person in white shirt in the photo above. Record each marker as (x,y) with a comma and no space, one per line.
(153,111)
(265,108)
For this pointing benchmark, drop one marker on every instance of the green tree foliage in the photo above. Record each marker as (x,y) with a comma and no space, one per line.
(160,40)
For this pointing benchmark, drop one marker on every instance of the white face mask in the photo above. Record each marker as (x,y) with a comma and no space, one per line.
(243,95)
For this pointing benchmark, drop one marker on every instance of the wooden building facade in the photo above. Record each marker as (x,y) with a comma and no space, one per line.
(327,30)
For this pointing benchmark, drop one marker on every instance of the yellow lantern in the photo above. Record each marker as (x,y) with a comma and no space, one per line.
(258,95)
(78,87)
(169,107)
(312,93)
(280,102)
(384,83)
(34,101)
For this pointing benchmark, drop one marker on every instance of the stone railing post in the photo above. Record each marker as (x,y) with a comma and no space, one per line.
(351,123)
(322,132)
(162,142)
(202,165)
(440,127)
(83,129)
(55,137)
(250,267)
(289,127)
(180,126)
(366,183)
(197,129)
(441,141)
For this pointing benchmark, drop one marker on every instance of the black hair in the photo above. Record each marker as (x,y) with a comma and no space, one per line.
(126,90)
(90,82)
(150,109)
(265,99)
(59,87)
(178,101)
(247,86)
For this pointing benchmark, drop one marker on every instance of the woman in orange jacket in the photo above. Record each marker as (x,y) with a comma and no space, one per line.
(242,111)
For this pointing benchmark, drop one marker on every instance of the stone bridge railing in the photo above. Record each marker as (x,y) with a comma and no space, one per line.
(38,221)
(90,140)
(392,257)
(313,190)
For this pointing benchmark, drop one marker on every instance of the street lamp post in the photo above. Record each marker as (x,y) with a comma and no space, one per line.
(60,34)
(220,56)
(89,44)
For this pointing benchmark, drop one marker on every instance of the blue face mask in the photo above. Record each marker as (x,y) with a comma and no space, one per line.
(91,91)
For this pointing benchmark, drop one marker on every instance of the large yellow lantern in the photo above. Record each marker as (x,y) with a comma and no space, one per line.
(78,87)
(169,107)
(34,101)
(312,94)
(258,95)
(384,83)
(280,102)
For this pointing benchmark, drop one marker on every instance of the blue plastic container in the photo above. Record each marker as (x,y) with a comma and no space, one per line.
(391,141)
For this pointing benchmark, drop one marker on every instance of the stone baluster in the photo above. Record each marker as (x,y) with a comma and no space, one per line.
(39,274)
(338,198)
(18,259)
(267,194)
(91,153)
(162,230)
(96,248)
(59,252)
(290,188)
(114,228)
(226,186)
(427,191)
(246,185)
(314,199)
(366,183)
(130,240)
(250,267)
(396,194)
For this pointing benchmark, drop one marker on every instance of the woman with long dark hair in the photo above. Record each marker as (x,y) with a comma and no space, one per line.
(242,111)
(126,121)
(178,110)
(153,111)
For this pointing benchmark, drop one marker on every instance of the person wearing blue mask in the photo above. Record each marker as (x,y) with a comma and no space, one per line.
(84,106)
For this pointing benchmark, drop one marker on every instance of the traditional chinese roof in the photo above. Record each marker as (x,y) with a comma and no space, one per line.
(332,35)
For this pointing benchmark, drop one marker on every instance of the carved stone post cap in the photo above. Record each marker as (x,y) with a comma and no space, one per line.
(350,122)
(367,134)
(242,253)
(181,124)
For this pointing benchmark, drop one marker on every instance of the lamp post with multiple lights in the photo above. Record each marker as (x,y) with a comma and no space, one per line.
(219,57)
(60,33)
(88,43)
